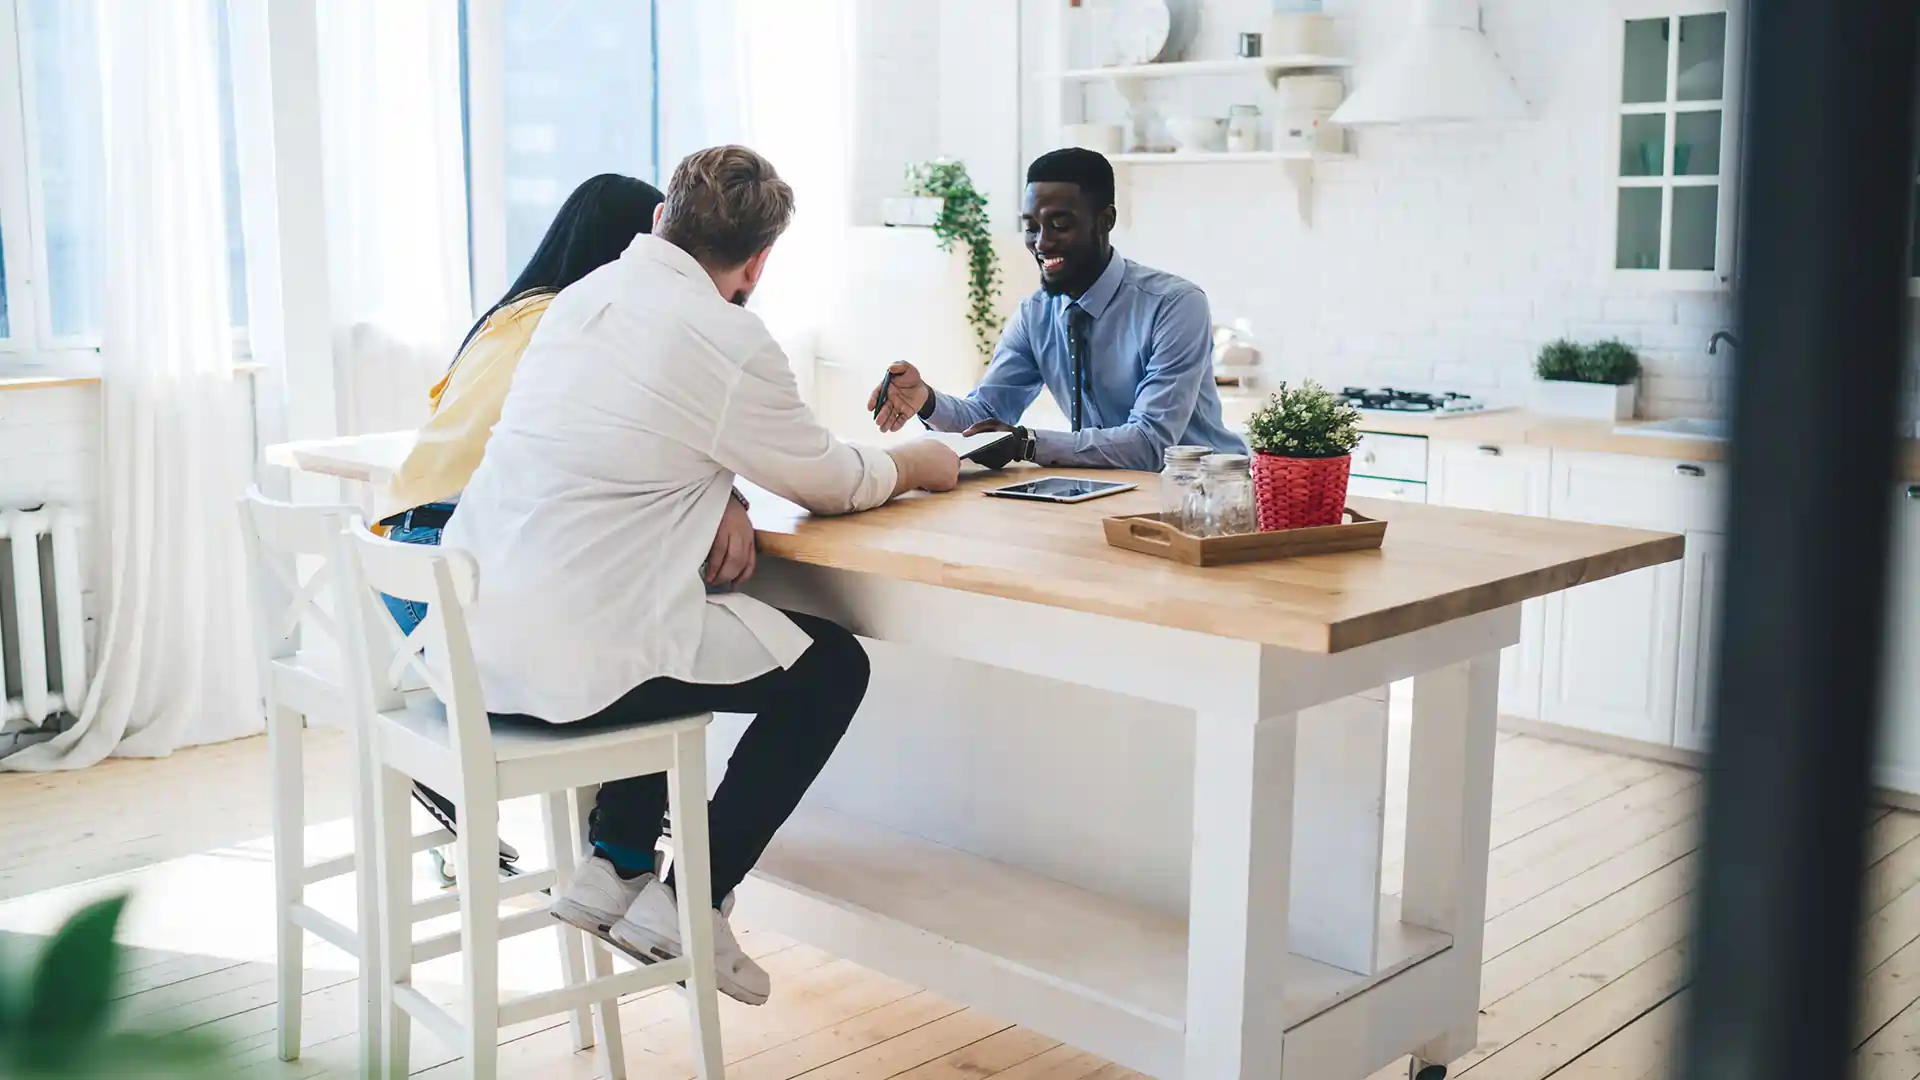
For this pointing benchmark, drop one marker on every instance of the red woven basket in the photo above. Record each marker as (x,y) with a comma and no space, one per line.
(1298,493)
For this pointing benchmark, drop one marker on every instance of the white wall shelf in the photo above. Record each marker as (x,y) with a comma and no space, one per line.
(1238,65)
(1297,165)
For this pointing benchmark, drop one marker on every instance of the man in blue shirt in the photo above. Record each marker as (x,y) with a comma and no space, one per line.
(1125,350)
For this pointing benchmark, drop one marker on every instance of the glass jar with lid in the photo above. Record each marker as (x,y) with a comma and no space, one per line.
(1228,495)
(1182,496)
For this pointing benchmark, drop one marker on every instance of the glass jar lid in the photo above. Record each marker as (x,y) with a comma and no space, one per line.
(1223,463)
(1188,453)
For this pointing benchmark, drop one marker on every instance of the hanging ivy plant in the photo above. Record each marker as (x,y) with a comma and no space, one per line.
(963,219)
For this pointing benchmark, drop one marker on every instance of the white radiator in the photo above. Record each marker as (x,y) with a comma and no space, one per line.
(23,638)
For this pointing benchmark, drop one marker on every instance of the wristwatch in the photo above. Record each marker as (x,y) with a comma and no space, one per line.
(1025,444)
(741,499)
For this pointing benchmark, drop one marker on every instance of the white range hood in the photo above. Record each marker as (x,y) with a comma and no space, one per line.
(1443,71)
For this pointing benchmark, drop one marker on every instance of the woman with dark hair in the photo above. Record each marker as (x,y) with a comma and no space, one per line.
(592,228)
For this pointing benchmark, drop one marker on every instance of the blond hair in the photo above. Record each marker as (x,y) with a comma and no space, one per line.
(725,205)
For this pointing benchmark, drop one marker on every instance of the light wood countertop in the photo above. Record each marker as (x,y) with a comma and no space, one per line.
(1437,564)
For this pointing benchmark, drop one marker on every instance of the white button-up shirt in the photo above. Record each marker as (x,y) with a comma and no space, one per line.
(641,395)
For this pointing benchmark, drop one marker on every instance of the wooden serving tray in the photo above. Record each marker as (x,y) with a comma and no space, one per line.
(1149,535)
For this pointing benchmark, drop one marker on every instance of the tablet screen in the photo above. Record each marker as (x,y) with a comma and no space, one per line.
(1062,488)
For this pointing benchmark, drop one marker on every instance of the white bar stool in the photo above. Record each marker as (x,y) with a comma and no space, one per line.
(446,741)
(305,682)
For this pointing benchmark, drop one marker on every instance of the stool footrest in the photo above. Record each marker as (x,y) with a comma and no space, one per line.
(326,928)
(317,872)
(448,902)
(548,1002)
(520,922)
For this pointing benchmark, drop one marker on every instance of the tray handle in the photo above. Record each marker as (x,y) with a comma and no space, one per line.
(1150,531)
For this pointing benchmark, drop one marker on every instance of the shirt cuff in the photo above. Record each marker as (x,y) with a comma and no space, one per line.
(1053,447)
(880,477)
(944,416)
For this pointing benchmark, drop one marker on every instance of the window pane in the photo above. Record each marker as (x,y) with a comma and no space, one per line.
(230,162)
(1638,245)
(1643,145)
(66,97)
(1696,214)
(578,100)
(1703,50)
(1696,144)
(1645,75)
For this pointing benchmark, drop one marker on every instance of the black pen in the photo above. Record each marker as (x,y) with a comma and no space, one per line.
(880,401)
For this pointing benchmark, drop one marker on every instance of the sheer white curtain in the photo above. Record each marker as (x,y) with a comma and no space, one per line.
(396,202)
(173,667)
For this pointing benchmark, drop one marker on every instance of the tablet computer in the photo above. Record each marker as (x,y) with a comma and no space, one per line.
(1061,489)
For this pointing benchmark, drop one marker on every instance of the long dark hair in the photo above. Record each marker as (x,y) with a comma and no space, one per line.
(591,229)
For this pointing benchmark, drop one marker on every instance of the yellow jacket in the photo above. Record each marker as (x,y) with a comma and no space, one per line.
(466,405)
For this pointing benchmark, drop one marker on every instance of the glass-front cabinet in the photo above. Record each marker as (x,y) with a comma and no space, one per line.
(1673,139)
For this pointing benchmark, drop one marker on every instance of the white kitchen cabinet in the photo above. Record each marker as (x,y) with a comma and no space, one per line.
(1703,572)
(1612,648)
(1897,762)
(1503,478)
(1672,141)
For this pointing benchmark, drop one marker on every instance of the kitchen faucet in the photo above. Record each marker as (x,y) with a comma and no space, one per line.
(1713,343)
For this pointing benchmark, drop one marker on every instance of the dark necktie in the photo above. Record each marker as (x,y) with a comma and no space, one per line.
(1077,322)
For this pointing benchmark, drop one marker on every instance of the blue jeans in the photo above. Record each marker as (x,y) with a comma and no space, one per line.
(409,613)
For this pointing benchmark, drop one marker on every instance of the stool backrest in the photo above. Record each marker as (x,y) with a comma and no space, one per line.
(438,651)
(278,534)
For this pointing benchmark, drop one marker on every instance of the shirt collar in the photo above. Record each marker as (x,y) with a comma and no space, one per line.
(653,249)
(1098,295)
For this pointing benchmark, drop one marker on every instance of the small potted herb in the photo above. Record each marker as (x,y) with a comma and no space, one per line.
(1302,441)
(1592,381)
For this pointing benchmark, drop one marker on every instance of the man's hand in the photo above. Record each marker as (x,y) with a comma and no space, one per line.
(927,464)
(907,394)
(730,560)
(1001,454)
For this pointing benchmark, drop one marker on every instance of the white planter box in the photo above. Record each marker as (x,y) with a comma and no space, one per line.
(1591,401)
(915,211)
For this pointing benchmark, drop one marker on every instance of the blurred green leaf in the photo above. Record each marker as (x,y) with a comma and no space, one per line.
(72,989)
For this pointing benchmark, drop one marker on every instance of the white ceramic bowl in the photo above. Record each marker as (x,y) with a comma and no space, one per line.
(1198,134)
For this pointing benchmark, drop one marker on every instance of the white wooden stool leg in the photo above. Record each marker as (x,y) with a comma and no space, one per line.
(393,806)
(479,850)
(366,885)
(573,964)
(1449,815)
(289,871)
(606,1013)
(687,803)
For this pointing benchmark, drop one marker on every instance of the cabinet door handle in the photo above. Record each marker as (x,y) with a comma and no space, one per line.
(1689,470)
(1490,451)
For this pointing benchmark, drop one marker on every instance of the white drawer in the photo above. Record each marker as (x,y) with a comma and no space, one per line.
(1372,487)
(1642,492)
(1391,457)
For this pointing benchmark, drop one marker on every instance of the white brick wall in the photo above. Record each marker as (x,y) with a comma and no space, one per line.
(1440,258)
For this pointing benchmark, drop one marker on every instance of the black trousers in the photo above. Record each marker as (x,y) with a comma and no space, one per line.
(801,713)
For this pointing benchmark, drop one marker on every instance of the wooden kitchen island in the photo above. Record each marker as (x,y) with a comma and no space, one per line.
(1137,806)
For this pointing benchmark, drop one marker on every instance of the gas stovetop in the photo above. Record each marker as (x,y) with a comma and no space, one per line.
(1411,402)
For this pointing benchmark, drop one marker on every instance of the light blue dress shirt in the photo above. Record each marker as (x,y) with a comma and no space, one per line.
(1149,373)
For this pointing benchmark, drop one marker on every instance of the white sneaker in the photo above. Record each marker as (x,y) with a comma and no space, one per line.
(597,896)
(652,928)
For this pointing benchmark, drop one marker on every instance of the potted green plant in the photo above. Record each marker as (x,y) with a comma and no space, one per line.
(1593,381)
(56,1020)
(1302,441)
(944,198)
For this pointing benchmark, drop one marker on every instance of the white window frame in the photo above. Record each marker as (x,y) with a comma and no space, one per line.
(31,342)
(1730,105)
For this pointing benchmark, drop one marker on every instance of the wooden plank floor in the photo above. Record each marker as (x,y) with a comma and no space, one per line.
(1590,885)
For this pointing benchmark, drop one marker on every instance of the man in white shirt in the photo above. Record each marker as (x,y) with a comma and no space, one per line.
(608,536)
